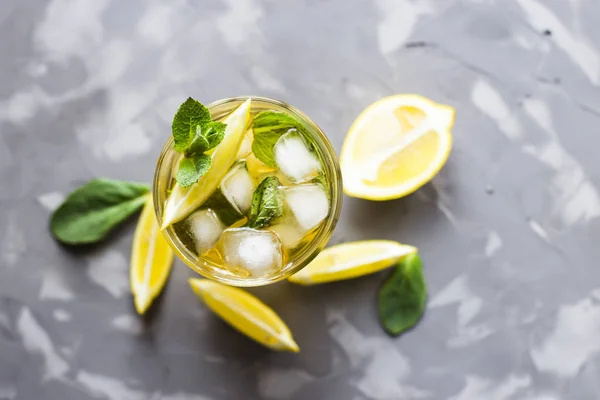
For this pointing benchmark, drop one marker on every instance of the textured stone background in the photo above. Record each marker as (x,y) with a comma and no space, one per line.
(507,230)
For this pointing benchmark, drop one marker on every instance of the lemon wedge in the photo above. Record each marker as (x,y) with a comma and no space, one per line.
(182,201)
(395,146)
(245,313)
(351,260)
(151,260)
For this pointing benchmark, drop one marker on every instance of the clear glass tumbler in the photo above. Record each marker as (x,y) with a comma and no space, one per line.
(164,180)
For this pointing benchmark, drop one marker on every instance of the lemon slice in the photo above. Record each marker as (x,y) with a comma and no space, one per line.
(351,260)
(395,146)
(245,313)
(182,201)
(151,260)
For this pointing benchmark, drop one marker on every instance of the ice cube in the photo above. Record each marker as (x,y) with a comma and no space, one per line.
(308,203)
(253,251)
(205,229)
(237,186)
(288,231)
(294,158)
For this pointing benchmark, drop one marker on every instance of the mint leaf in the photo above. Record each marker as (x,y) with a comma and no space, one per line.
(215,131)
(199,143)
(268,127)
(90,212)
(192,168)
(208,135)
(189,115)
(267,203)
(402,297)
(262,147)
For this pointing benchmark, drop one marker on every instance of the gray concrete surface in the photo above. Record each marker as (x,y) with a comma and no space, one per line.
(508,230)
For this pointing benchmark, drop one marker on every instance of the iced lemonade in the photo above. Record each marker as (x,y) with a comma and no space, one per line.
(251,194)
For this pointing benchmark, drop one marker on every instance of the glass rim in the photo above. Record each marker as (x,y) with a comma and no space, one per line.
(211,270)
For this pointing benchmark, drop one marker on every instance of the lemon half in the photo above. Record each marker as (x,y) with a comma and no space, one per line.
(395,146)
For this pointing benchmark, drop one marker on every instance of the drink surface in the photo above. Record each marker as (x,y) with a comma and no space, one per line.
(268,202)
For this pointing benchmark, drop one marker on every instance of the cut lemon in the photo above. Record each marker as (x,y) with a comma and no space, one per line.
(351,260)
(151,260)
(245,313)
(395,146)
(183,201)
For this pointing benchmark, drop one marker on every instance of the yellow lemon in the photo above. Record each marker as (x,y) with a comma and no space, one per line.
(245,313)
(395,146)
(351,260)
(151,260)
(182,201)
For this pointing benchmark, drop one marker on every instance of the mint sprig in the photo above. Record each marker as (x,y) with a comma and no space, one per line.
(194,134)
(267,203)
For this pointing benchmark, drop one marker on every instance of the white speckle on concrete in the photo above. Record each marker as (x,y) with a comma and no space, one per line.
(69,28)
(384,371)
(575,197)
(572,342)
(37,69)
(8,393)
(576,47)
(128,323)
(265,80)
(21,106)
(62,315)
(470,305)
(51,201)
(108,387)
(13,246)
(239,25)
(55,286)
(489,102)
(398,20)
(156,25)
(477,388)
(281,383)
(494,244)
(538,230)
(36,340)
(131,141)
(109,270)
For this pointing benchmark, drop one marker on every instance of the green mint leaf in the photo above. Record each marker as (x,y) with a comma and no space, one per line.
(267,203)
(192,168)
(199,143)
(90,212)
(268,127)
(189,115)
(208,135)
(215,132)
(402,296)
